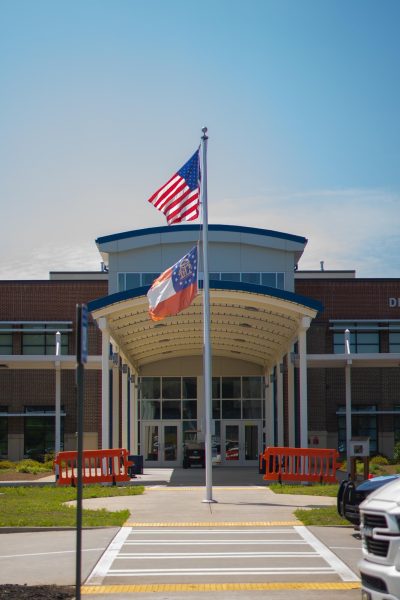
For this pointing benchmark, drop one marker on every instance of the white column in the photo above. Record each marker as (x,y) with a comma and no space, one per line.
(124,406)
(269,410)
(279,405)
(57,364)
(133,441)
(347,376)
(305,324)
(105,383)
(291,403)
(115,401)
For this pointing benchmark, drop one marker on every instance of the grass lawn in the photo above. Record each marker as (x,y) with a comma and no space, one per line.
(328,489)
(43,506)
(322,517)
(326,516)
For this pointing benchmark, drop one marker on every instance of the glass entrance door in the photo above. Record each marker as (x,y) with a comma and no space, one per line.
(162,444)
(241,442)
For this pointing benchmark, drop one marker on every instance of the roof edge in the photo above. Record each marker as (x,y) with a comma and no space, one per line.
(214,285)
(213,227)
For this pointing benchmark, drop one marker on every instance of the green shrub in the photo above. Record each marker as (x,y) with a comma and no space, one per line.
(48,464)
(30,466)
(396,453)
(379,460)
(6,464)
(375,469)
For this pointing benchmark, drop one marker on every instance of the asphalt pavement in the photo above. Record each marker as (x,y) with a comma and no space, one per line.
(245,544)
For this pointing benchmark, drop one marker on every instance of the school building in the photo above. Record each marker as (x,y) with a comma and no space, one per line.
(280,370)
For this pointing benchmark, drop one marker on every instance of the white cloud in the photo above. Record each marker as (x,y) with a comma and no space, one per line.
(347,229)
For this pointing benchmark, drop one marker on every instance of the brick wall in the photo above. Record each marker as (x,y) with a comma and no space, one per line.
(50,301)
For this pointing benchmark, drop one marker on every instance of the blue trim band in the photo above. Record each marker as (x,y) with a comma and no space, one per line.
(175,228)
(214,285)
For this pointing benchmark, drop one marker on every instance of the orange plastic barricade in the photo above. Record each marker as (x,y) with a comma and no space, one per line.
(98,466)
(300,464)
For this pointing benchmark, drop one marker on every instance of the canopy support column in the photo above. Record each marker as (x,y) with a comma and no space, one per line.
(305,324)
(279,405)
(124,406)
(133,441)
(105,383)
(115,399)
(291,402)
(269,409)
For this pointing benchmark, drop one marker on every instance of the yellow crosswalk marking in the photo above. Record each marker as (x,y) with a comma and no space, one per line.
(216,587)
(214,524)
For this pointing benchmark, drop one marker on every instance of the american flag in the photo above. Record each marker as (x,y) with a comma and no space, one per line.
(179,198)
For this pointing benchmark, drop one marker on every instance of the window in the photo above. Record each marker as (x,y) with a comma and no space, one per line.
(251,278)
(148,278)
(362,425)
(39,434)
(231,387)
(168,398)
(394,338)
(6,342)
(230,276)
(40,338)
(129,281)
(363,338)
(237,398)
(3,432)
(171,388)
(396,426)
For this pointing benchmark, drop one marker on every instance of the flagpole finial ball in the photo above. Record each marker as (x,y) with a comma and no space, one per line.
(204,129)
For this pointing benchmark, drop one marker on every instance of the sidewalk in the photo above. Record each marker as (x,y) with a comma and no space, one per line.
(173,498)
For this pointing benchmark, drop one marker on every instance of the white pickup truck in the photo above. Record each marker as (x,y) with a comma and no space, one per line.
(380,531)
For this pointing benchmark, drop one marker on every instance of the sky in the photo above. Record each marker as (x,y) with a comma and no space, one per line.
(102,101)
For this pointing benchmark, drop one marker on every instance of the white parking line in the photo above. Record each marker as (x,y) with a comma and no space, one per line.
(337,565)
(221,571)
(102,568)
(207,531)
(50,553)
(190,555)
(213,542)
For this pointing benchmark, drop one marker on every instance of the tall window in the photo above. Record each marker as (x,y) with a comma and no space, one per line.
(169,398)
(363,338)
(236,398)
(6,345)
(394,337)
(362,425)
(39,433)
(3,431)
(40,338)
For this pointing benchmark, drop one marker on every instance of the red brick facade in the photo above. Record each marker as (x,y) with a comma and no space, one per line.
(346,299)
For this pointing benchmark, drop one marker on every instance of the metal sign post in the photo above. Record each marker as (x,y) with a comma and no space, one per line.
(81,359)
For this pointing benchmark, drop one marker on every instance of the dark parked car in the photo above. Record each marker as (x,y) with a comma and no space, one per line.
(194,454)
(350,495)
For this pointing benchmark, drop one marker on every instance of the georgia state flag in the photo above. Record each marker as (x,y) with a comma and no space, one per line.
(175,289)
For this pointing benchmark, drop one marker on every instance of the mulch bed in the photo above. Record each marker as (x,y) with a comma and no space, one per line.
(36,592)
(14,476)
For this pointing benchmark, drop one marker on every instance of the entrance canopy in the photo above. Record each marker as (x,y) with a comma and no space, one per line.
(253,323)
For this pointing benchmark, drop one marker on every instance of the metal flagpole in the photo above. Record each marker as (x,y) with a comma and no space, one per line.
(206,322)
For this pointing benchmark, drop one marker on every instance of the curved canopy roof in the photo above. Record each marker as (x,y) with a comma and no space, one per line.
(248,322)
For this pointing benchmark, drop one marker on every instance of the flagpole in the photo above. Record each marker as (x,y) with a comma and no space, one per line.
(206,323)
